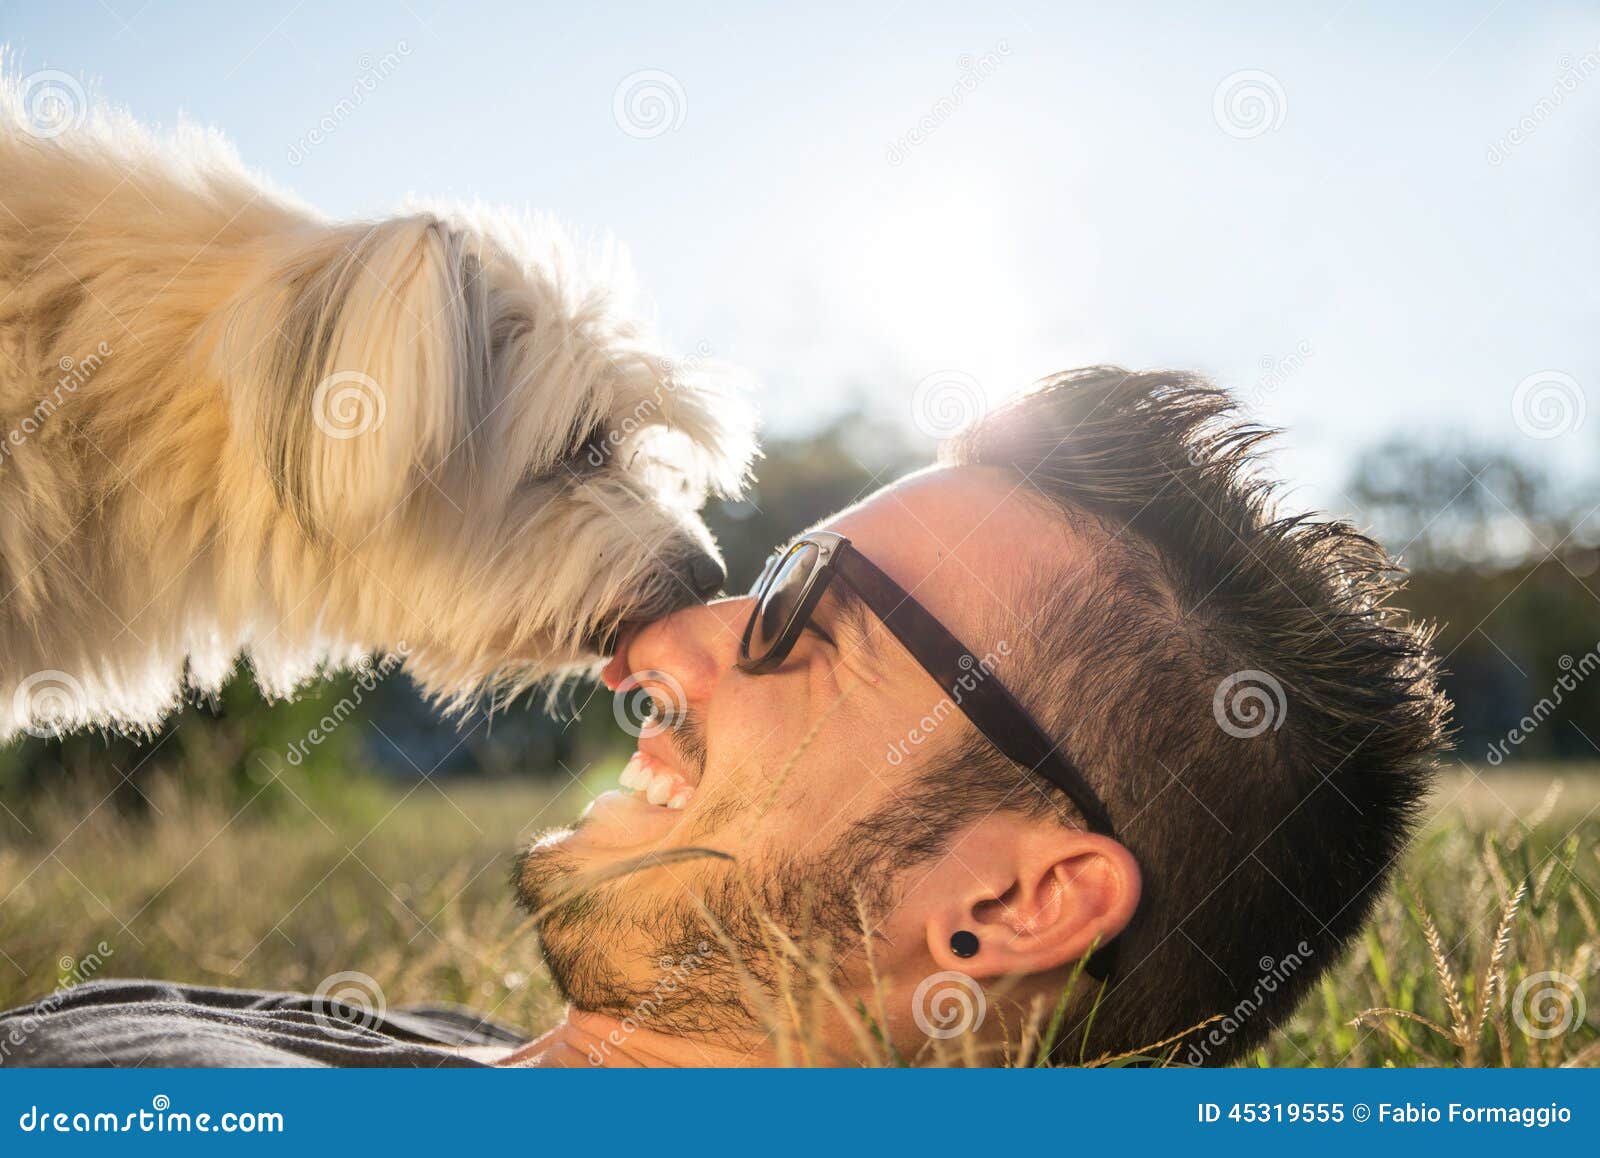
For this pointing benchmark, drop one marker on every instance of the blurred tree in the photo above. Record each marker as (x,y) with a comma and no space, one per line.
(1454,506)
(239,747)
(1501,561)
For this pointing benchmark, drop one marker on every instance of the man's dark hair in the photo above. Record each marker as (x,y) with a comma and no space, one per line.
(1260,721)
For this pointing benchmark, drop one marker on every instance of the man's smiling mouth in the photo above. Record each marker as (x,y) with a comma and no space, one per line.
(657,782)
(669,763)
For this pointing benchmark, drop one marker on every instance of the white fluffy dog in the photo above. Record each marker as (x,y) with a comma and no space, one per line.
(228,425)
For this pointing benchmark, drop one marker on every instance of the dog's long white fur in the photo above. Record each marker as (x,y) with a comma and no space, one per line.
(229,425)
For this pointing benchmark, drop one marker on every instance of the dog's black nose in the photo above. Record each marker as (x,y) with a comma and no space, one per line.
(706,576)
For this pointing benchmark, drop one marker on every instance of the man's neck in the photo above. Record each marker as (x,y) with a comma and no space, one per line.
(598,1040)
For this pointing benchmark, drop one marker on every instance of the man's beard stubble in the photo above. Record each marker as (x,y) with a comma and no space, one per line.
(710,961)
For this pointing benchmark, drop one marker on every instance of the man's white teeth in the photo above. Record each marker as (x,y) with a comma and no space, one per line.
(659,784)
(635,775)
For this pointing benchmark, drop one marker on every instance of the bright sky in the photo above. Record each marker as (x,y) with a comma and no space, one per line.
(1364,217)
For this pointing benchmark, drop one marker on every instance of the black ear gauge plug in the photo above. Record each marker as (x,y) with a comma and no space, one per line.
(964,944)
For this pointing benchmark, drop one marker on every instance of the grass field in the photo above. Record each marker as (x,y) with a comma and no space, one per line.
(1489,943)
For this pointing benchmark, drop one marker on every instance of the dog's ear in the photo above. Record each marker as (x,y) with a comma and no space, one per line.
(353,363)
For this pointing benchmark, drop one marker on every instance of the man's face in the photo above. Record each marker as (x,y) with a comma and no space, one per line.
(774,770)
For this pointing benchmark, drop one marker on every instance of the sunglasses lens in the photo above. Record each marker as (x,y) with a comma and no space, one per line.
(774,561)
(782,599)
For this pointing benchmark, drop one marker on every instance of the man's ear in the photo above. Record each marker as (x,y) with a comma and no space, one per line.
(1037,896)
(354,357)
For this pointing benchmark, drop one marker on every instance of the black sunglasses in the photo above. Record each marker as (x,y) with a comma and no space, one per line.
(794,582)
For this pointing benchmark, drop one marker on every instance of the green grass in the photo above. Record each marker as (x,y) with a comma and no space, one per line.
(408,885)
(1501,887)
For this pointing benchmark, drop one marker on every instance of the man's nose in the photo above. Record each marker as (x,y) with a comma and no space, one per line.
(696,646)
